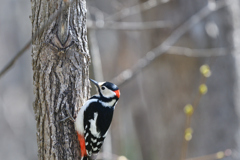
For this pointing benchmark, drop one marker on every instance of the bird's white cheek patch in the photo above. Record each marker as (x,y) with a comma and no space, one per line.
(93,125)
(108,93)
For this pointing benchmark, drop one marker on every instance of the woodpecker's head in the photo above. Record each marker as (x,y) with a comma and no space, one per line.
(107,89)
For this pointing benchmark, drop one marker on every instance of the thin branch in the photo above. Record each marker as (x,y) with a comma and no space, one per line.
(142,63)
(128,25)
(218,155)
(188,121)
(96,11)
(24,49)
(184,51)
(15,58)
(100,23)
(117,5)
(135,9)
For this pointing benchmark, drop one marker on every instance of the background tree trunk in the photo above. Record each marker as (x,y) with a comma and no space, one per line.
(60,62)
(235,40)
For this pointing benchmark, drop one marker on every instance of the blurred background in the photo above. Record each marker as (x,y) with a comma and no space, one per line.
(153,50)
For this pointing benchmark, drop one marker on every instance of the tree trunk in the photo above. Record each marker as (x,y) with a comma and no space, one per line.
(235,13)
(60,63)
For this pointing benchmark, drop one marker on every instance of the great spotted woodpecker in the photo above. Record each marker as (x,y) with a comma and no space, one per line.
(94,118)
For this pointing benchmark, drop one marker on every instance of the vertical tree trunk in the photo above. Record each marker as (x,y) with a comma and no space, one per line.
(60,63)
(235,39)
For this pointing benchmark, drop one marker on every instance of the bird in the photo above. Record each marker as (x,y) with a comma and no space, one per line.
(94,118)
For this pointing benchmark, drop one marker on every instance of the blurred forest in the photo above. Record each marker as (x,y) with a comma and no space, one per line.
(153,50)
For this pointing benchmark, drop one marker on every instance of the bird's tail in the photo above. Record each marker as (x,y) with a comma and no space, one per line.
(84,158)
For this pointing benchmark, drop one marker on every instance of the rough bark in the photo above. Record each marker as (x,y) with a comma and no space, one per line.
(60,61)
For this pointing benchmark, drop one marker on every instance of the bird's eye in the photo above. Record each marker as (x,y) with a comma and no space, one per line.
(103,88)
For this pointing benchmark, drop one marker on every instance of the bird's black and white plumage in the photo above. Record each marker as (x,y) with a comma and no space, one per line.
(94,119)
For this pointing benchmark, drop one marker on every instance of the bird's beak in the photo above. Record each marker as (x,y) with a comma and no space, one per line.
(94,82)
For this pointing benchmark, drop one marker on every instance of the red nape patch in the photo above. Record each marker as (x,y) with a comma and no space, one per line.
(117,93)
(82,145)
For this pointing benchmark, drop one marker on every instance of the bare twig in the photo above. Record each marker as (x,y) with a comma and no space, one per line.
(135,9)
(100,23)
(218,155)
(189,120)
(15,58)
(142,63)
(117,5)
(184,51)
(23,50)
(96,11)
(128,25)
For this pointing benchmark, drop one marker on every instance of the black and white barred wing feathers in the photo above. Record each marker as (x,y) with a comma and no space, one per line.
(96,122)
